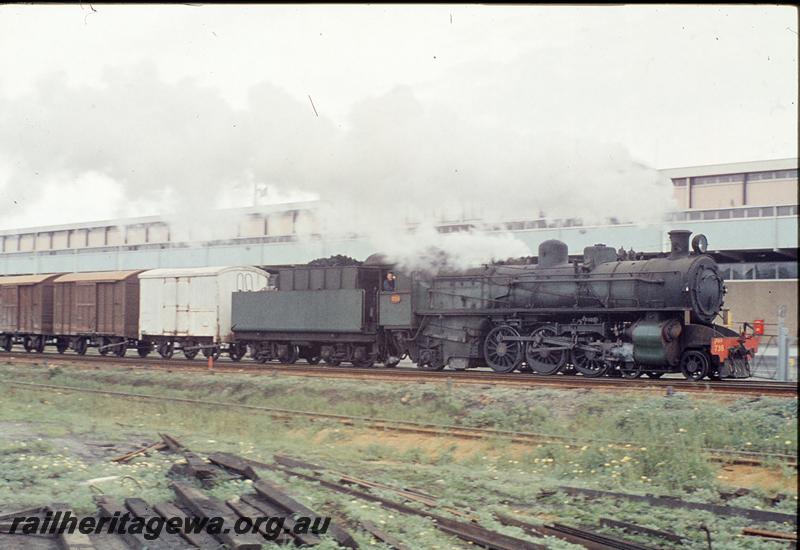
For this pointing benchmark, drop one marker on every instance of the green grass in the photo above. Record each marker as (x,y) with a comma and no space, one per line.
(36,468)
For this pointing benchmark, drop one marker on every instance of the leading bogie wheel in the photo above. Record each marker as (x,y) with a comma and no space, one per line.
(8,342)
(694,364)
(631,370)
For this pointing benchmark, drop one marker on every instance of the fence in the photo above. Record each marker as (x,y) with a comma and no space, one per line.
(777,354)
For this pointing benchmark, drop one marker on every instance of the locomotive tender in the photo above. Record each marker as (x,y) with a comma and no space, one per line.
(595,317)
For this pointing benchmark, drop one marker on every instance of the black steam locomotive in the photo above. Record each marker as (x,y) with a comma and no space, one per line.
(600,316)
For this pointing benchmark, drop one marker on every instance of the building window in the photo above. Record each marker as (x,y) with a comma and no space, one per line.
(787,270)
(741,272)
(724,178)
(710,215)
(765,270)
(772,175)
(759,270)
(679,182)
(787,210)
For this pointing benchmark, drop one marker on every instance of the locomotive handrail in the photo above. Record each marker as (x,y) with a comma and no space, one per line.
(583,275)
(512,311)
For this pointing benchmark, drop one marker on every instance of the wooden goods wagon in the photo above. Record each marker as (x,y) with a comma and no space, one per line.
(26,310)
(104,303)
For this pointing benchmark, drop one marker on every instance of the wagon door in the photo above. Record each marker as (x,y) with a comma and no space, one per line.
(30,301)
(182,305)
(106,306)
(62,307)
(26,308)
(118,309)
(169,306)
(85,308)
(203,299)
(8,308)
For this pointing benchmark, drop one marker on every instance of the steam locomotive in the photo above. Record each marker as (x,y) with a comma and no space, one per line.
(599,316)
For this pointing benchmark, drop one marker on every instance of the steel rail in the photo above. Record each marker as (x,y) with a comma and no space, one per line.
(735,387)
(440,430)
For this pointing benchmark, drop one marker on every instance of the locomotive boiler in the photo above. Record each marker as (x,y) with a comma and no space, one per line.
(601,315)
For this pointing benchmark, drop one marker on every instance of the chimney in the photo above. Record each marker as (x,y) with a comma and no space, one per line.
(679,239)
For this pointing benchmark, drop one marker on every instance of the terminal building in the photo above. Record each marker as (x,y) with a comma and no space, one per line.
(748,211)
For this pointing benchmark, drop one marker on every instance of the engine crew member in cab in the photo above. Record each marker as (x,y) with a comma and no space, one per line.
(388,282)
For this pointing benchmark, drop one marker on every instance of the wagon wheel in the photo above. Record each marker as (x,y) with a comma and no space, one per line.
(121,348)
(144,349)
(364,363)
(362,358)
(500,354)
(542,359)
(288,354)
(62,345)
(8,342)
(236,352)
(654,374)
(103,349)
(38,344)
(589,362)
(81,345)
(310,354)
(190,353)
(430,355)
(166,349)
(212,353)
(694,364)
(27,343)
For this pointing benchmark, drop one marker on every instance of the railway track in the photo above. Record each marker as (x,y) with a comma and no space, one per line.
(730,456)
(736,387)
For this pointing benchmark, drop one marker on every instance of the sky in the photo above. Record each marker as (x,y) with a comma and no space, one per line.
(109,111)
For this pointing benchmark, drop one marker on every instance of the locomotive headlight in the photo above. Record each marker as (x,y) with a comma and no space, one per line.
(700,243)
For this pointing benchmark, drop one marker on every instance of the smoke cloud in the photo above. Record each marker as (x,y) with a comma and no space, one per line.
(137,145)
